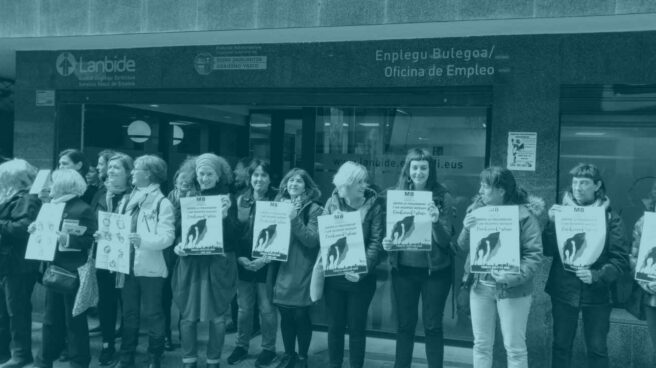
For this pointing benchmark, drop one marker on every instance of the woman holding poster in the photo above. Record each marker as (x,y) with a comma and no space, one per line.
(70,253)
(251,286)
(585,290)
(18,209)
(348,297)
(204,285)
(648,297)
(423,273)
(500,293)
(291,279)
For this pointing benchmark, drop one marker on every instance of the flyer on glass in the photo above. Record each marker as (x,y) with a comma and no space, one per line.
(43,242)
(581,235)
(646,263)
(409,223)
(522,148)
(494,240)
(271,230)
(113,250)
(202,225)
(342,243)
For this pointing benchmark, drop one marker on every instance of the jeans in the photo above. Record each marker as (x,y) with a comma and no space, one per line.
(16,315)
(409,284)
(513,317)
(142,292)
(108,299)
(348,308)
(61,330)
(295,324)
(596,323)
(189,337)
(651,324)
(248,293)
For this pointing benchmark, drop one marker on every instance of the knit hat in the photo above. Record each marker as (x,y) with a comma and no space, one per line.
(210,160)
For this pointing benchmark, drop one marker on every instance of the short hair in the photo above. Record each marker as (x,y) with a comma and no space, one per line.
(155,166)
(68,181)
(16,175)
(76,156)
(311,188)
(124,160)
(418,154)
(350,173)
(592,172)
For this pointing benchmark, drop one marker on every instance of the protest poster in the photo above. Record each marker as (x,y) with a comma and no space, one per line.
(581,235)
(522,149)
(271,230)
(41,181)
(202,225)
(342,243)
(409,224)
(646,263)
(42,243)
(113,251)
(494,240)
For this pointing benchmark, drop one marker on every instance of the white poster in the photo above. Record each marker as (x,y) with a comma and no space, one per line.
(409,224)
(271,230)
(113,251)
(522,148)
(646,264)
(42,179)
(202,225)
(342,243)
(43,242)
(494,240)
(581,235)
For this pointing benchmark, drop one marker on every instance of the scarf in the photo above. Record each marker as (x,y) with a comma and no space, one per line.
(568,200)
(63,199)
(113,191)
(137,197)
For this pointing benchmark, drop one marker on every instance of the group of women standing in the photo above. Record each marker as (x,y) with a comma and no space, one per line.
(203,286)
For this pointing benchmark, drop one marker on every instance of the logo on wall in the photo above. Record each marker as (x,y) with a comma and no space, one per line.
(203,63)
(66,64)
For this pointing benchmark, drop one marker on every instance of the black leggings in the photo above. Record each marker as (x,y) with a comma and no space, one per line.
(295,324)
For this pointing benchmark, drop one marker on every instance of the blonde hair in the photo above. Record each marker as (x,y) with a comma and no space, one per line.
(68,181)
(350,173)
(15,175)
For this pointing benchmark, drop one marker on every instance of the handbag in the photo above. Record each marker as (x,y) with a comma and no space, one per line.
(60,279)
(316,281)
(636,302)
(87,293)
(462,297)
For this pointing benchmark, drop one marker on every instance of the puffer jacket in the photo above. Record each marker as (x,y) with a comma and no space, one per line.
(648,298)
(565,286)
(530,241)
(372,213)
(439,256)
(16,214)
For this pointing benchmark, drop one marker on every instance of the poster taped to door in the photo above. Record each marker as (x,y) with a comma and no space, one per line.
(494,240)
(271,230)
(581,235)
(342,243)
(202,225)
(113,250)
(409,224)
(646,264)
(42,243)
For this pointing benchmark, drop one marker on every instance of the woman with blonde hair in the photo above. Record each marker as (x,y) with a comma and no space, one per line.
(18,209)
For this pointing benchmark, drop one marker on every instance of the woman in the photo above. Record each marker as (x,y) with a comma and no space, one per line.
(348,297)
(117,187)
(586,291)
(251,285)
(18,209)
(71,252)
(426,274)
(499,293)
(74,159)
(648,297)
(152,232)
(291,279)
(204,285)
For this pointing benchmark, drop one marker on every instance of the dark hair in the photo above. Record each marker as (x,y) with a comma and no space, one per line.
(590,171)
(418,154)
(254,164)
(311,189)
(502,178)
(76,156)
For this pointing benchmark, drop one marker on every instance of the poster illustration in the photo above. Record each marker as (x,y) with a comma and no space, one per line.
(202,225)
(113,250)
(522,148)
(581,234)
(646,264)
(271,230)
(409,224)
(42,243)
(342,243)
(494,240)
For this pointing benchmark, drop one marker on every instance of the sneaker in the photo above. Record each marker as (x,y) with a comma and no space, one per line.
(265,358)
(287,361)
(16,363)
(107,355)
(237,355)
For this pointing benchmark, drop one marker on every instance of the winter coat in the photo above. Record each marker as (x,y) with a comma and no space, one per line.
(648,298)
(16,214)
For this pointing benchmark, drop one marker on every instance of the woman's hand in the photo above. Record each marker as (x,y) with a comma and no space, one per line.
(44,195)
(352,276)
(31,228)
(469,221)
(499,276)
(179,251)
(135,239)
(434,212)
(651,287)
(387,243)
(225,205)
(552,212)
(258,263)
(585,276)
(97,236)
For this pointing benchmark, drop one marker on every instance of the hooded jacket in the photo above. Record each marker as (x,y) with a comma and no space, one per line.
(530,242)
(565,286)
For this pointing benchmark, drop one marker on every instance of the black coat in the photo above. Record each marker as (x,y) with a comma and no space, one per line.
(77,209)
(16,215)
